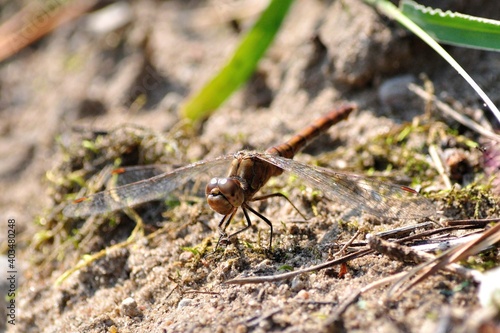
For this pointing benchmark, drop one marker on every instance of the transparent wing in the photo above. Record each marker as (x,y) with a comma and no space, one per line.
(360,193)
(142,191)
(132,174)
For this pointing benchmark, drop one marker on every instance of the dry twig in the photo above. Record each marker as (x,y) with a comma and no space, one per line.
(35,21)
(399,232)
(488,238)
(455,115)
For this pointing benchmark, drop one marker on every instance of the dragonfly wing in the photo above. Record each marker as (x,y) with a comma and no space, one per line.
(142,191)
(360,193)
(132,174)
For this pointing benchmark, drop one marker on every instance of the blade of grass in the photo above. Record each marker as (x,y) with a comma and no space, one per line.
(455,28)
(394,13)
(241,66)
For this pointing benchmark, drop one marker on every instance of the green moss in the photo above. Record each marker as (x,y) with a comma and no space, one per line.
(475,201)
(84,167)
(193,250)
(286,268)
(484,261)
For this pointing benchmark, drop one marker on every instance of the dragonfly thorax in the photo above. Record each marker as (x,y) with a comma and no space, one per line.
(224,195)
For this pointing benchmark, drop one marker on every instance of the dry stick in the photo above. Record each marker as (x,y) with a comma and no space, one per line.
(479,222)
(447,243)
(407,254)
(201,292)
(172,290)
(32,23)
(488,238)
(406,230)
(438,164)
(355,296)
(279,277)
(437,231)
(349,242)
(400,253)
(399,232)
(362,252)
(455,115)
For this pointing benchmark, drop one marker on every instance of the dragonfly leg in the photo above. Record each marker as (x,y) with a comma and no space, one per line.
(249,222)
(277,194)
(263,218)
(223,239)
(224,222)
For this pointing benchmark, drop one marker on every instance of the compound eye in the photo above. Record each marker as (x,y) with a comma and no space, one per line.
(224,195)
(231,189)
(211,186)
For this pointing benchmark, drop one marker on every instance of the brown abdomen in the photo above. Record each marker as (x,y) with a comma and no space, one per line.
(301,139)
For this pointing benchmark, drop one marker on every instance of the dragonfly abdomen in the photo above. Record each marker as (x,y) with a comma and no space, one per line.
(301,139)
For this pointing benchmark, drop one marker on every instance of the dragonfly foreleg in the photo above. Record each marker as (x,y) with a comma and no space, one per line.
(249,224)
(224,222)
(277,194)
(263,218)
(223,239)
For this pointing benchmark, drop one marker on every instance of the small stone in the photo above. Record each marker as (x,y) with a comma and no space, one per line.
(185,302)
(110,18)
(128,307)
(303,294)
(241,329)
(297,284)
(186,256)
(394,92)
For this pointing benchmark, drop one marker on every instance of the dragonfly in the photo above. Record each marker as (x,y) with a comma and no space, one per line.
(249,171)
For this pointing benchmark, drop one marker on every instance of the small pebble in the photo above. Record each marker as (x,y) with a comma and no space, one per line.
(110,18)
(241,329)
(297,284)
(303,294)
(186,256)
(129,307)
(394,92)
(185,302)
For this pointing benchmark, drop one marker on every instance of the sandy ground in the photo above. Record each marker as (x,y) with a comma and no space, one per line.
(119,89)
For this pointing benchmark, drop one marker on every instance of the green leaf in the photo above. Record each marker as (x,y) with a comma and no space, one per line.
(193,250)
(391,11)
(285,267)
(455,28)
(241,66)
(90,145)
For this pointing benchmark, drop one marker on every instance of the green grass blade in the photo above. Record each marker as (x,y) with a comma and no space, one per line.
(391,11)
(455,28)
(241,66)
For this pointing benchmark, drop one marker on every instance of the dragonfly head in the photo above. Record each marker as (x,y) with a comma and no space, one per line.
(224,195)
